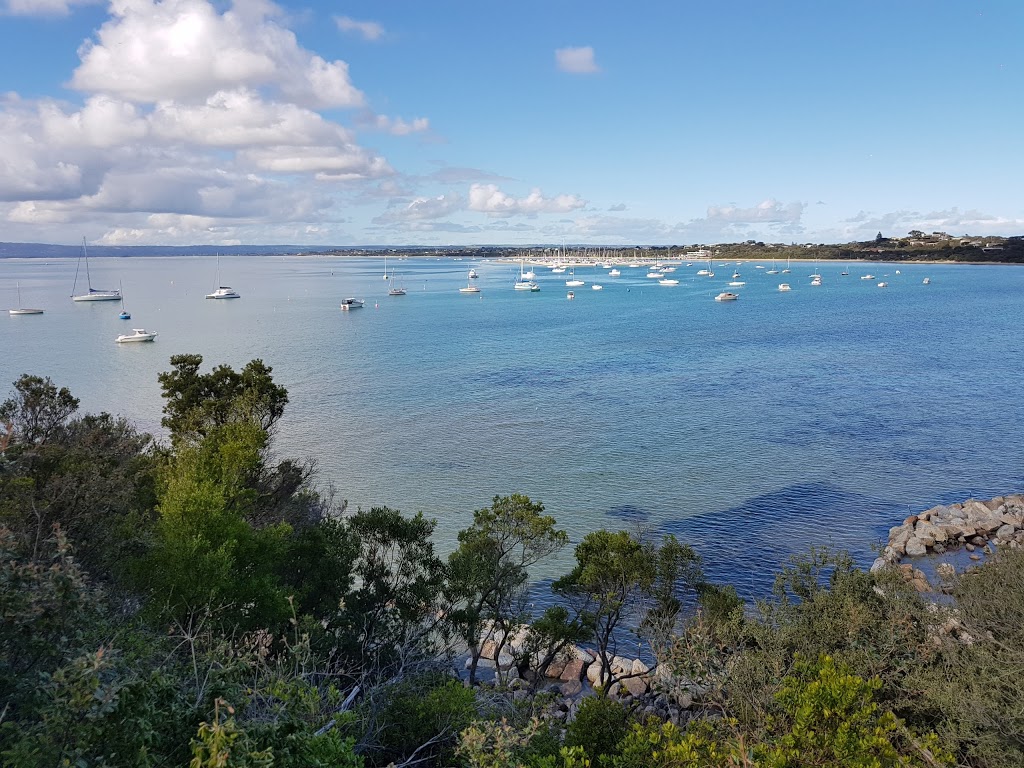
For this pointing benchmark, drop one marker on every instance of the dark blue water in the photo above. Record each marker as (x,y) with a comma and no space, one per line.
(751,429)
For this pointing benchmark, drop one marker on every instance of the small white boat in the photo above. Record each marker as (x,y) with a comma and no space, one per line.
(784,287)
(726,296)
(20,310)
(927,281)
(596,287)
(558,270)
(572,282)
(736,283)
(570,295)
(883,285)
(735,275)
(704,272)
(614,273)
(897,271)
(469,289)
(816,281)
(527,285)
(473,275)
(656,275)
(668,281)
(224,292)
(139,334)
(634,265)
(350,303)
(867,277)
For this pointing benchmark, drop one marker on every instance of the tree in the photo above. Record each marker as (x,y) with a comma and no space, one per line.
(488,573)
(196,402)
(620,577)
(388,621)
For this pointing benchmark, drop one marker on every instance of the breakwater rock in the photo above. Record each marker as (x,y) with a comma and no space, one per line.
(973,525)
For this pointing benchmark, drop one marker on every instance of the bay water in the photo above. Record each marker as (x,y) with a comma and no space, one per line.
(751,429)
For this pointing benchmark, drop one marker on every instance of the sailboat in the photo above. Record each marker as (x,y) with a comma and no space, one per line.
(124,312)
(94,294)
(392,290)
(385,266)
(773,270)
(788,260)
(222,291)
(525,281)
(572,282)
(23,310)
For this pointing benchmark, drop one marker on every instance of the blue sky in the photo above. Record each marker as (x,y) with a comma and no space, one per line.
(402,122)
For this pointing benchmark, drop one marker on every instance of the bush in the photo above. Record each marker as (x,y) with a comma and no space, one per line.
(599,726)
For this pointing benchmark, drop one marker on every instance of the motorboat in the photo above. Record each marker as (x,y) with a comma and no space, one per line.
(20,310)
(527,285)
(668,281)
(614,273)
(350,303)
(570,295)
(736,283)
(816,281)
(469,289)
(596,287)
(726,296)
(867,277)
(883,285)
(223,292)
(668,269)
(784,287)
(473,275)
(704,272)
(735,275)
(558,270)
(927,281)
(138,334)
(656,275)
(93,294)
(124,315)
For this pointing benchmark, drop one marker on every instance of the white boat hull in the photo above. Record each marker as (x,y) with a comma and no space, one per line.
(24,311)
(139,335)
(98,296)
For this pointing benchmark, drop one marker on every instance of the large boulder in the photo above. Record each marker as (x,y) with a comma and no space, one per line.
(573,670)
(916,548)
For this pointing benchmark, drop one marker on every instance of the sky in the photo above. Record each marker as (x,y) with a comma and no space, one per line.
(404,122)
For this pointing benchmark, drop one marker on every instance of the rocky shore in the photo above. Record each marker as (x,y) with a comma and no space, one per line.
(975,526)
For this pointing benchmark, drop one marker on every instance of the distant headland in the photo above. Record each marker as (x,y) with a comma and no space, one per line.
(915,246)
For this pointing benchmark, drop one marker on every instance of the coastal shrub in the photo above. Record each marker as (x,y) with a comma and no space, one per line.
(599,726)
(423,715)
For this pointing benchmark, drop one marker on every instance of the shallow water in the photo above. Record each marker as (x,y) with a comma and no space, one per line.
(751,429)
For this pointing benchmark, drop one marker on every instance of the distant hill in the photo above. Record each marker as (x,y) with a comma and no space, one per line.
(48,251)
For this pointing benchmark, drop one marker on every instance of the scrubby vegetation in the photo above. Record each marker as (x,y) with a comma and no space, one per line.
(198,602)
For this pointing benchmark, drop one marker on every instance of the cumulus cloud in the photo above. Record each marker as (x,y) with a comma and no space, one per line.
(185,50)
(368,30)
(865,225)
(42,7)
(487,198)
(578,61)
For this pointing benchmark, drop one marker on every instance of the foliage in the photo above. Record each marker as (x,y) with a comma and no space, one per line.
(488,573)
(198,402)
(621,577)
(599,726)
(421,716)
(89,475)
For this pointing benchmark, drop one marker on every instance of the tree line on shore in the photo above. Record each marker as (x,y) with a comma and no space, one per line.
(197,601)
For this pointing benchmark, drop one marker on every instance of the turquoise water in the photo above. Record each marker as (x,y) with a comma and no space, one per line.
(751,428)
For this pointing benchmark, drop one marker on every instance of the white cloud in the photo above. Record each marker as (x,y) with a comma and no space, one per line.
(769,211)
(487,198)
(43,7)
(578,61)
(184,50)
(395,126)
(368,30)
(421,209)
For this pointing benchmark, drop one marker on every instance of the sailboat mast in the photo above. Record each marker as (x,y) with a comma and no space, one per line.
(85,253)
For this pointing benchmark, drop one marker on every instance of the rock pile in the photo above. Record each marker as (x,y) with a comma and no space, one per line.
(973,525)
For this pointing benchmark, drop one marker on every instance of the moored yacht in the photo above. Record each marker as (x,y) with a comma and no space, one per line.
(139,334)
(727,296)
(350,304)
(224,292)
